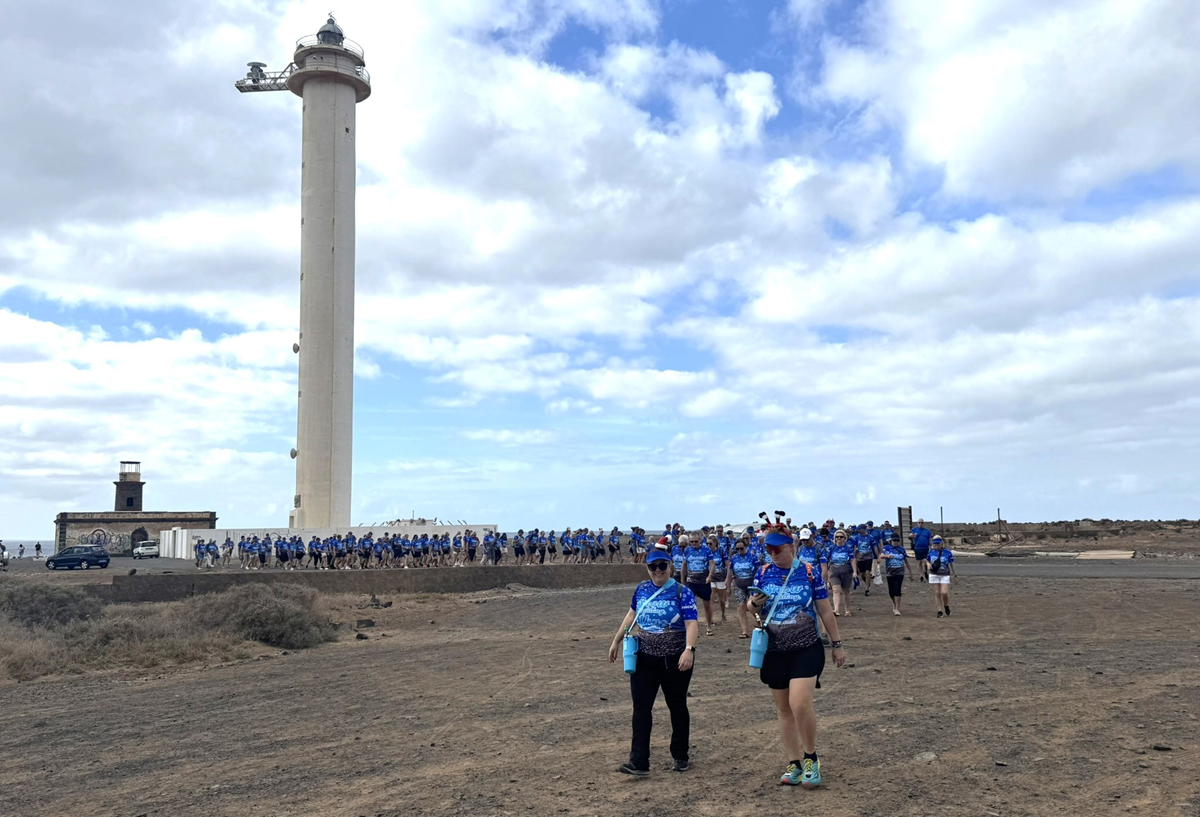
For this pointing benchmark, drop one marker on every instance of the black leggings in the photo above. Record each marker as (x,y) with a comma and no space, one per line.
(651,674)
(895,585)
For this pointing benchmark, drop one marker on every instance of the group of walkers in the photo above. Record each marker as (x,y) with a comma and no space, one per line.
(780,575)
(581,546)
(397,550)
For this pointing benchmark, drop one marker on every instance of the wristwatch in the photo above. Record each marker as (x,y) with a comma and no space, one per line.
(691,649)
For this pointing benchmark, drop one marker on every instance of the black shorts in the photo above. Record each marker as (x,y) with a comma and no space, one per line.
(518,550)
(922,555)
(864,565)
(470,554)
(895,585)
(779,668)
(612,548)
(702,591)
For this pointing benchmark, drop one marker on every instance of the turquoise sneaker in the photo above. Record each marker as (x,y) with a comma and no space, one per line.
(812,774)
(791,777)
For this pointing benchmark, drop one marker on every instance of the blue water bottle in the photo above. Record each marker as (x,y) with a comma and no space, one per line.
(758,647)
(631,650)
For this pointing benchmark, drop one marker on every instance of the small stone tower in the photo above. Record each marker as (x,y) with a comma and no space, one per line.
(129,487)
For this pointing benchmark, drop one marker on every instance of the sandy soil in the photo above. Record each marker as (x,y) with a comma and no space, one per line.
(1038,697)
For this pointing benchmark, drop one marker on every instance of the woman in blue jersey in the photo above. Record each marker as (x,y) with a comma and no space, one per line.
(789,596)
(941,568)
(664,614)
(614,546)
(742,566)
(866,551)
(676,552)
(720,573)
(839,572)
(895,564)
(697,573)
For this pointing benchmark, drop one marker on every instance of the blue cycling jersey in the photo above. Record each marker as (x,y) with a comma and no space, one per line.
(798,599)
(840,554)
(743,565)
(697,559)
(811,554)
(669,610)
(940,560)
(895,555)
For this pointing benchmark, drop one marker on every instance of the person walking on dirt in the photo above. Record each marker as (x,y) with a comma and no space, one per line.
(614,546)
(866,551)
(920,536)
(664,613)
(788,597)
(941,568)
(698,568)
(742,566)
(839,572)
(895,559)
(720,573)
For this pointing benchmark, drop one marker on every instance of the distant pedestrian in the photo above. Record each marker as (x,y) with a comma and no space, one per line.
(839,572)
(941,568)
(21,552)
(895,559)
(720,574)
(37,550)
(742,566)
(920,537)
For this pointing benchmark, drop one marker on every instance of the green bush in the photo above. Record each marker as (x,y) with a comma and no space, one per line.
(34,604)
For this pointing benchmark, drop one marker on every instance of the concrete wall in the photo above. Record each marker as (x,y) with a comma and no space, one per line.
(174,586)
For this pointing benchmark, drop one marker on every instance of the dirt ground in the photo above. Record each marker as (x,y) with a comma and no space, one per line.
(1039,697)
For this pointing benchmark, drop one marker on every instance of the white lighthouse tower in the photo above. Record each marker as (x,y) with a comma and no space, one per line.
(329,73)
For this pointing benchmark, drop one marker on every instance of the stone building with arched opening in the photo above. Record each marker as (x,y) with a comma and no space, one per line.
(127,525)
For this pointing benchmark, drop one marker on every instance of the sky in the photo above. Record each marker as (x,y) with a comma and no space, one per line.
(618,261)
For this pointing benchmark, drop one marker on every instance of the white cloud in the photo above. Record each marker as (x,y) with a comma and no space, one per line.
(510,437)
(1029,98)
(633,247)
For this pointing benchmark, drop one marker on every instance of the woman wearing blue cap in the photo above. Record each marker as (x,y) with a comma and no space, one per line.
(788,596)
(664,612)
(941,568)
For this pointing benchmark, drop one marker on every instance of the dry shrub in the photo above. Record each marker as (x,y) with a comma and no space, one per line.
(27,653)
(34,604)
(279,615)
(151,635)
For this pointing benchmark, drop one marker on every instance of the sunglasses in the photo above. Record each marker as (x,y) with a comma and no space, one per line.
(655,567)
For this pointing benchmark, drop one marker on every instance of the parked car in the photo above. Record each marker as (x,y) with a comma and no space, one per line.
(82,556)
(146,550)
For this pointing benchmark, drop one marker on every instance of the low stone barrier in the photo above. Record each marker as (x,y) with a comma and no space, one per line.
(173,586)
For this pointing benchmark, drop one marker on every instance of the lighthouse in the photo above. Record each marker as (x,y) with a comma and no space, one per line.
(328,72)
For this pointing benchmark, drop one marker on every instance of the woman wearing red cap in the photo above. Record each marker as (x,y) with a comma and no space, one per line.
(788,597)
